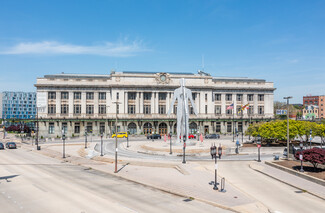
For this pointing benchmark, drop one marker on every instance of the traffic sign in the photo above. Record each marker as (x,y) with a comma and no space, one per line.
(259,145)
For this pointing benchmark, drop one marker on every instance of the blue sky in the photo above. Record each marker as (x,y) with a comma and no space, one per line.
(280,41)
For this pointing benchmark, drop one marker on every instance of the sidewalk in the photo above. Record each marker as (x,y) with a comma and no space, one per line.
(292,180)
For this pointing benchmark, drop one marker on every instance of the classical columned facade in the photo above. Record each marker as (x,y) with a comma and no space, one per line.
(79,103)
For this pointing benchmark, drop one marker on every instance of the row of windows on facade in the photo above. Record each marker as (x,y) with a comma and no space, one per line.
(148,95)
(146,109)
(147,128)
(19,109)
(18,102)
(8,112)
(9,116)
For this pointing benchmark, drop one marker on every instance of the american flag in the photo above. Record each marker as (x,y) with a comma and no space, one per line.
(230,106)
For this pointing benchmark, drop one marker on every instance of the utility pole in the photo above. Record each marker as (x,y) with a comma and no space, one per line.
(116,104)
(287,98)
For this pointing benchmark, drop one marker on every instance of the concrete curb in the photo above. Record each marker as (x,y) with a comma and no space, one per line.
(299,174)
(289,184)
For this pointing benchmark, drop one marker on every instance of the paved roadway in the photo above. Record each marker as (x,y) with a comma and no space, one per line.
(277,196)
(31,182)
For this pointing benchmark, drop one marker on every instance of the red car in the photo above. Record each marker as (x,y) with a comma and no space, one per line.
(190,136)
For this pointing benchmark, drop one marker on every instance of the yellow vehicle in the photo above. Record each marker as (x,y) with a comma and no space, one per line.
(120,135)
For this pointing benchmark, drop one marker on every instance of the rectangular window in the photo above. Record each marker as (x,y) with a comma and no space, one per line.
(77,95)
(64,109)
(102,96)
(228,97)
(147,96)
(217,97)
(218,127)
(250,97)
(131,109)
(239,97)
(90,96)
(206,109)
(229,111)
(162,96)
(118,109)
(65,128)
(193,96)
(218,110)
(229,127)
(89,127)
(251,110)
(101,109)
(239,112)
(147,109)
(77,128)
(175,109)
(51,128)
(52,95)
(261,97)
(162,109)
(132,95)
(117,96)
(206,97)
(240,126)
(64,95)
(102,127)
(261,110)
(77,109)
(52,109)
(191,110)
(89,109)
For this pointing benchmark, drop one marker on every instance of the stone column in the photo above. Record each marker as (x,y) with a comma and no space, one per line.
(58,104)
(141,103)
(70,104)
(255,105)
(96,104)
(83,104)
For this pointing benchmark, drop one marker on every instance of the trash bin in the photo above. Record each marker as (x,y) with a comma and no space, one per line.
(38,147)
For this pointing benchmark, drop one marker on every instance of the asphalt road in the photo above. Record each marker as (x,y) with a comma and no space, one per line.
(277,196)
(31,182)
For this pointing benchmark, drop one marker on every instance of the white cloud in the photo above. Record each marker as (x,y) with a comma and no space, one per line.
(118,49)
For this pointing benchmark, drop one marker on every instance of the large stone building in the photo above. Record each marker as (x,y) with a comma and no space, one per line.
(77,103)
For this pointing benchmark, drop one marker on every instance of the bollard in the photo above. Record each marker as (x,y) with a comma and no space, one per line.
(223,182)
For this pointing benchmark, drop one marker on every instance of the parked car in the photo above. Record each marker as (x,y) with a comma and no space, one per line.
(154,136)
(212,136)
(120,135)
(2,146)
(292,151)
(11,145)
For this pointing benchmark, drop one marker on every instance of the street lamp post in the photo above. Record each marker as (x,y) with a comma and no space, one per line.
(85,139)
(287,98)
(310,138)
(116,104)
(101,144)
(259,140)
(184,146)
(63,140)
(170,143)
(237,143)
(213,152)
(301,156)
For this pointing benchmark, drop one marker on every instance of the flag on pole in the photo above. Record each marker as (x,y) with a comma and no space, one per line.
(230,106)
(245,107)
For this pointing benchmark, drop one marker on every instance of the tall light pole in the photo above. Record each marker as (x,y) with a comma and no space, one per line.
(101,144)
(287,98)
(116,104)
(85,139)
(63,140)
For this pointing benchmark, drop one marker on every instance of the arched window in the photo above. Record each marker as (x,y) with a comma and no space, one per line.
(193,128)
(162,129)
(132,128)
(147,128)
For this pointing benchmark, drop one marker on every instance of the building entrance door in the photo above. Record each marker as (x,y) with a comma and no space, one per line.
(147,128)
(206,130)
(162,129)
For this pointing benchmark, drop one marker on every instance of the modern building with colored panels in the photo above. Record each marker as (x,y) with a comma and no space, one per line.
(77,103)
(18,105)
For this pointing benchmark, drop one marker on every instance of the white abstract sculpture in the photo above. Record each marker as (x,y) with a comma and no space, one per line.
(182,95)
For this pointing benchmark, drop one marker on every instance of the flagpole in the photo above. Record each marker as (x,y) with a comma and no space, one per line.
(233,123)
(242,125)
